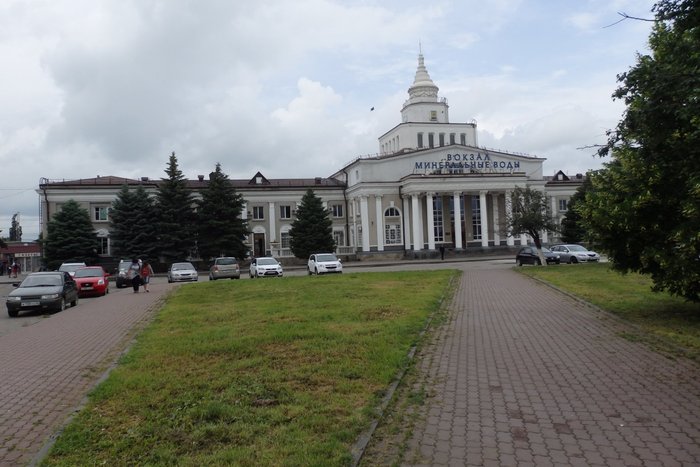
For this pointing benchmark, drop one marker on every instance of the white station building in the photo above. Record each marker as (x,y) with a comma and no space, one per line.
(431,185)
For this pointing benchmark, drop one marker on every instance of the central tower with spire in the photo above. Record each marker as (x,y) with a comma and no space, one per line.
(425,120)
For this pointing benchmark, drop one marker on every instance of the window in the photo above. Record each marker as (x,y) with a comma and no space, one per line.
(563,204)
(392,212)
(438,228)
(420,140)
(337,210)
(285,212)
(433,115)
(463,139)
(392,234)
(431,140)
(339,238)
(452,138)
(285,240)
(476,218)
(258,212)
(442,139)
(101,213)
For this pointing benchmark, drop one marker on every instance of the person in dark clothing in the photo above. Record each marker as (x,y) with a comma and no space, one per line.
(135,274)
(442,252)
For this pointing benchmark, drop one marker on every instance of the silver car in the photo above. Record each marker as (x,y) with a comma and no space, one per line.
(265,267)
(182,272)
(575,254)
(324,263)
(225,267)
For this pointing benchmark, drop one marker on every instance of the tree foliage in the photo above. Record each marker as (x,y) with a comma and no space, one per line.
(312,230)
(70,237)
(530,214)
(644,209)
(133,230)
(221,228)
(176,217)
(572,228)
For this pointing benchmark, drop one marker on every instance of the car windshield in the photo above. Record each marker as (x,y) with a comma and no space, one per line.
(546,250)
(70,267)
(42,281)
(576,248)
(324,258)
(266,261)
(182,267)
(225,261)
(88,272)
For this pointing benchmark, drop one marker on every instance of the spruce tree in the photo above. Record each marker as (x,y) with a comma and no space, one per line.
(221,229)
(311,231)
(175,218)
(133,230)
(70,237)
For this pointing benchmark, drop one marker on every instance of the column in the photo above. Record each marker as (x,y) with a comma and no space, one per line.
(496,227)
(457,221)
(273,227)
(364,218)
(379,219)
(484,219)
(430,222)
(417,234)
(405,222)
(510,241)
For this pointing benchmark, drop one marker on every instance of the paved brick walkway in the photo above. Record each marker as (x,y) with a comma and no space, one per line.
(523,375)
(46,369)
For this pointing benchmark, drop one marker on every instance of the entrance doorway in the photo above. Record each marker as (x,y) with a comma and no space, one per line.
(259,244)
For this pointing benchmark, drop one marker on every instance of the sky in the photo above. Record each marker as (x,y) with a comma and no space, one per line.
(113,87)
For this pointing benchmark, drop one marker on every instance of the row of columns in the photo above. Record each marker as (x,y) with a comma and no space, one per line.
(413,232)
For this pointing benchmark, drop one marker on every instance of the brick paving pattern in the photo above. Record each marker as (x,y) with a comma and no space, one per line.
(46,369)
(523,375)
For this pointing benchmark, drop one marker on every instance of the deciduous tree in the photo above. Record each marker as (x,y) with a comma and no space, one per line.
(644,209)
(530,214)
(312,230)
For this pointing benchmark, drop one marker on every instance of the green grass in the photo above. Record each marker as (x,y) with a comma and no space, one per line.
(261,372)
(629,296)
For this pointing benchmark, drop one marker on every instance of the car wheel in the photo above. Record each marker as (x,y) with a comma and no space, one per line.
(12,313)
(538,262)
(316,271)
(309,271)
(75,302)
(519,262)
(573,260)
(62,305)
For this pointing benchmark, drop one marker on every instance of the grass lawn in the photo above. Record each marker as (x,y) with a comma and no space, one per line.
(256,372)
(630,297)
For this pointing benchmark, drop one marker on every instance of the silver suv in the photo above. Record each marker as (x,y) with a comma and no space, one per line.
(225,267)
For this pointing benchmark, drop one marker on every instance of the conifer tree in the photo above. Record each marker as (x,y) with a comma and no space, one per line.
(221,229)
(133,230)
(312,230)
(175,219)
(70,237)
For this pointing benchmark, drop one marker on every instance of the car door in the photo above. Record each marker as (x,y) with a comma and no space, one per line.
(70,289)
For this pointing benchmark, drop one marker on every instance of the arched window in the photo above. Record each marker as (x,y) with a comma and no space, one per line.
(392,226)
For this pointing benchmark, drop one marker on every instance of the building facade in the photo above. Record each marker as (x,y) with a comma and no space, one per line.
(431,185)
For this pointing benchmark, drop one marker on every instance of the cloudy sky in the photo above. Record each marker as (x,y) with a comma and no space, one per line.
(112,87)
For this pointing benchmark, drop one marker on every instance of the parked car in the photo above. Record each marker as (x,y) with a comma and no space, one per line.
(225,267)
(575,254)
(123,279)
(43,291)
(92,280)
(182,272)
(266,266)
(323,263)
(70,268)
(528,255)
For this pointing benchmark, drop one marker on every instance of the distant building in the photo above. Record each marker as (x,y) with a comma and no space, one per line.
(430,185)
(26,254)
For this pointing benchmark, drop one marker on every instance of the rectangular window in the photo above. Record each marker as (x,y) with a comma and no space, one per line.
(420,140)
(431,140)
(258,213)
(285,212)
(433,115)
(101,213)
(339,238)
(284,240)
(104,246)
(463,139)
(476,218)
(563,204)
(452,138)
(442,139)
(337,210)
(438,228)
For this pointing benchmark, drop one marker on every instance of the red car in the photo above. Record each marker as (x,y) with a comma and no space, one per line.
(92,280)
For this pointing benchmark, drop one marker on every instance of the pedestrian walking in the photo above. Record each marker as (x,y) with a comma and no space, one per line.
(146,273)
(135,274)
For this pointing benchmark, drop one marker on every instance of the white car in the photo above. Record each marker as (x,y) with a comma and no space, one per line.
(323,263)
(265,267)
(70,268)
(574,254)
(182,272)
